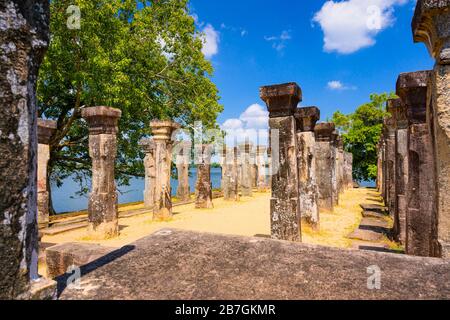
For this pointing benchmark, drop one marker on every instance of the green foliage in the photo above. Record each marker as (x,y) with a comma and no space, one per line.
(141,57)
(361,132)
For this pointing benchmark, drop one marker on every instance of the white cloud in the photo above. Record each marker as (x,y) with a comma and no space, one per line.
(252,125)
(210,41)
(279,42)
(335,85)
(255,117)
(351,25)
(232,124)
(338,85)
(244,33)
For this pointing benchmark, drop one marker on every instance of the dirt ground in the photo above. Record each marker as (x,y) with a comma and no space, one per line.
(248,217)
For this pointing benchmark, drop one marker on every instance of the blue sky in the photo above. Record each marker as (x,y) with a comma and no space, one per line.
(259,42)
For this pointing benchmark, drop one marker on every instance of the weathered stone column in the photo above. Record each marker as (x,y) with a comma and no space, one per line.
(421,216)
(203,187)
(385,134)
(431,25)
(324,164)
(309,194)
(282,101)
(340,165)
(24,36)
(230,182)
(380,165)
(149,146)
(254,166)
(182,163)
(348,170)
(262,172)
(390,158)
(246,169)
(162,135)
(103,199)
(334,168)
(401,168)
(46,129)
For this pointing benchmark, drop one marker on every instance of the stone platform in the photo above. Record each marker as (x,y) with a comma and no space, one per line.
(173,264)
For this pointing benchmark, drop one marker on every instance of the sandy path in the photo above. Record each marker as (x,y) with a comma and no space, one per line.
(248,217)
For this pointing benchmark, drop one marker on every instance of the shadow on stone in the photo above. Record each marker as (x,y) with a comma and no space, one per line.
(262,236)
(378,249)
(374,199)
(88,268)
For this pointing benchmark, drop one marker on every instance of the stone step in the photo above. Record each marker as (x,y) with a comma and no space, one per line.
(365,235)
(372,246)
(374,207)
(374,222)
(373,214)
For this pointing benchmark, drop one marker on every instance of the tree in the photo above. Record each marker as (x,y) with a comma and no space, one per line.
(141,57)
(361,132)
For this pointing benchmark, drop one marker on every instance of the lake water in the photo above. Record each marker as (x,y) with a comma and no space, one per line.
(64,198)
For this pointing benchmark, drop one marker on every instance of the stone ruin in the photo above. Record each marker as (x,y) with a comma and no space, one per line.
(421,113)
(325,163)
(246,169)
(203,188)
(103,215)
(230,173)
(308,190)
(46,129)
(149,146)
(162,136)
(414,151)
(25,27)
(183,157)
(281,101)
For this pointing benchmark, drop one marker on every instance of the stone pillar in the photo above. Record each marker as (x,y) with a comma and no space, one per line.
(149,146)
(380,165)
(162,135)
(230,181)
(182,163)
(348,170)
(431,25)
(390,158)
(340,165)
(421,216)
(24,36)
(324,164)
(281,101)
(103,199)
(309,194)
(385,134)
(334,167)
(203,187)
(401,168)
(46,129)
(246,169)
(261,162)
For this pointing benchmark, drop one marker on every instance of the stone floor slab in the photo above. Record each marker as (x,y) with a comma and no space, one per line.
(173,264)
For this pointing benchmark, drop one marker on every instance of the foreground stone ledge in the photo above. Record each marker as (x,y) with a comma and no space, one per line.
(173,264)
(60,257)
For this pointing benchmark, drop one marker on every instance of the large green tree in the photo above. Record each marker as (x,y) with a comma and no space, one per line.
(361,132)
(143,57)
